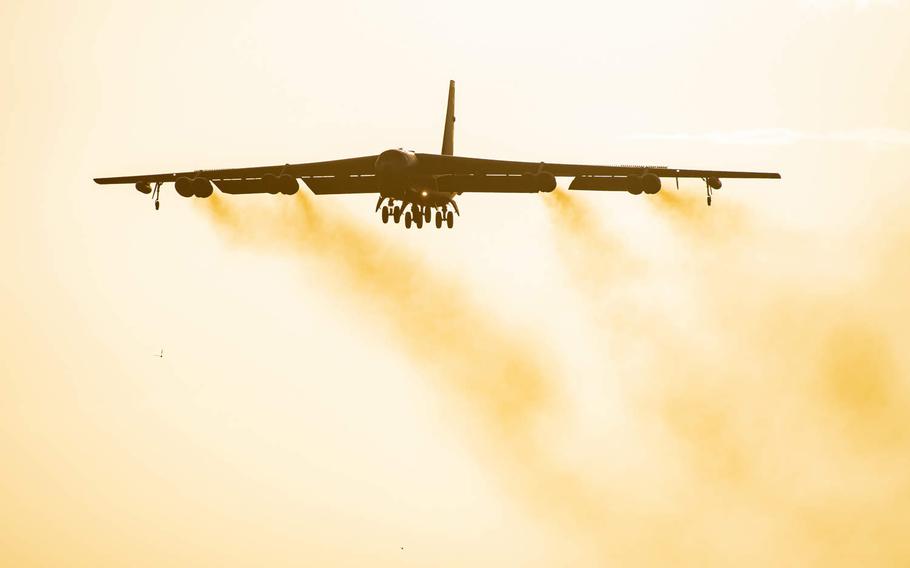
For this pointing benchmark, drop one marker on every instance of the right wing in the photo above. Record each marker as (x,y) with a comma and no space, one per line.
(346,167)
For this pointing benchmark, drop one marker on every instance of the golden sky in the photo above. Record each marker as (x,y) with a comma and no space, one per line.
(561,380)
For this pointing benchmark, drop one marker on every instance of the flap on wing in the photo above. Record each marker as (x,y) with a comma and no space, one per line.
(491,184)
(342,185)
(241,186)
(600,183)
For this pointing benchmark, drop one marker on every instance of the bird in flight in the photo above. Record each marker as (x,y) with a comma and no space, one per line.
(421,188)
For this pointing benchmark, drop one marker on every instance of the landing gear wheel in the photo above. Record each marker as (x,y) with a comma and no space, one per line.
(407,219)
(418,218)
(427,214)
(450,219)
(385,214)
(709,201)
(438,220)
(397,214)
(157,205)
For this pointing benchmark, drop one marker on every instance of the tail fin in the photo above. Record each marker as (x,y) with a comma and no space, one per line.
(448,135)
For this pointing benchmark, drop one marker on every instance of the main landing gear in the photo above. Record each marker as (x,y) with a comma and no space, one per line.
(392,212)
(416,215)
(446,217)
(388,211)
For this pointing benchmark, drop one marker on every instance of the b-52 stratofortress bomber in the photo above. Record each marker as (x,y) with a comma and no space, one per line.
(421,188)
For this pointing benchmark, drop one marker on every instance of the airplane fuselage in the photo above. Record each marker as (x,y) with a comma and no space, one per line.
(398,177)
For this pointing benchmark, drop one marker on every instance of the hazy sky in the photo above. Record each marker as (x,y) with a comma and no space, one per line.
(559,380)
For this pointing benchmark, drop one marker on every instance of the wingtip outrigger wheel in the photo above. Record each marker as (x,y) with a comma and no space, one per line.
(156,192)
(708,189)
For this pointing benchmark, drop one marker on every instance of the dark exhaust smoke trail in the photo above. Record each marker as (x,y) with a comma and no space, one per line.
(775,419)
(688,212)
(497,374)
(582,239)
(784,402)
(429,312)
(601,266)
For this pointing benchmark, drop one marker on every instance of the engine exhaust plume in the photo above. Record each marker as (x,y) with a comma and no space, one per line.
(405,291)
(601,266)
(777,382)
(688,212)
(771,411)
(786,397)
(497,374)
(593,254)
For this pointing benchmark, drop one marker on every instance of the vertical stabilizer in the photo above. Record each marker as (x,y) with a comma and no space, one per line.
(448,134)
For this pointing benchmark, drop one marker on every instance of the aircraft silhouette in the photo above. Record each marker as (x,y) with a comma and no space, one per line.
(415,184)
(160,355)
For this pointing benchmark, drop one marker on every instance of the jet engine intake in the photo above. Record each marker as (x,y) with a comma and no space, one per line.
(288,184)
(184,187)
(545,181)
(144,187)
(202,187)
(650,183)
(714,183)
(271,184)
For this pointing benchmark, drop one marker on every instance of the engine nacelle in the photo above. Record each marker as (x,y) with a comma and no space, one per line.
(270,183)
(184,187)
(650,184)
(714,183)
(545,181)
(634,185)
(288,184)
(143,186)
(202,187)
